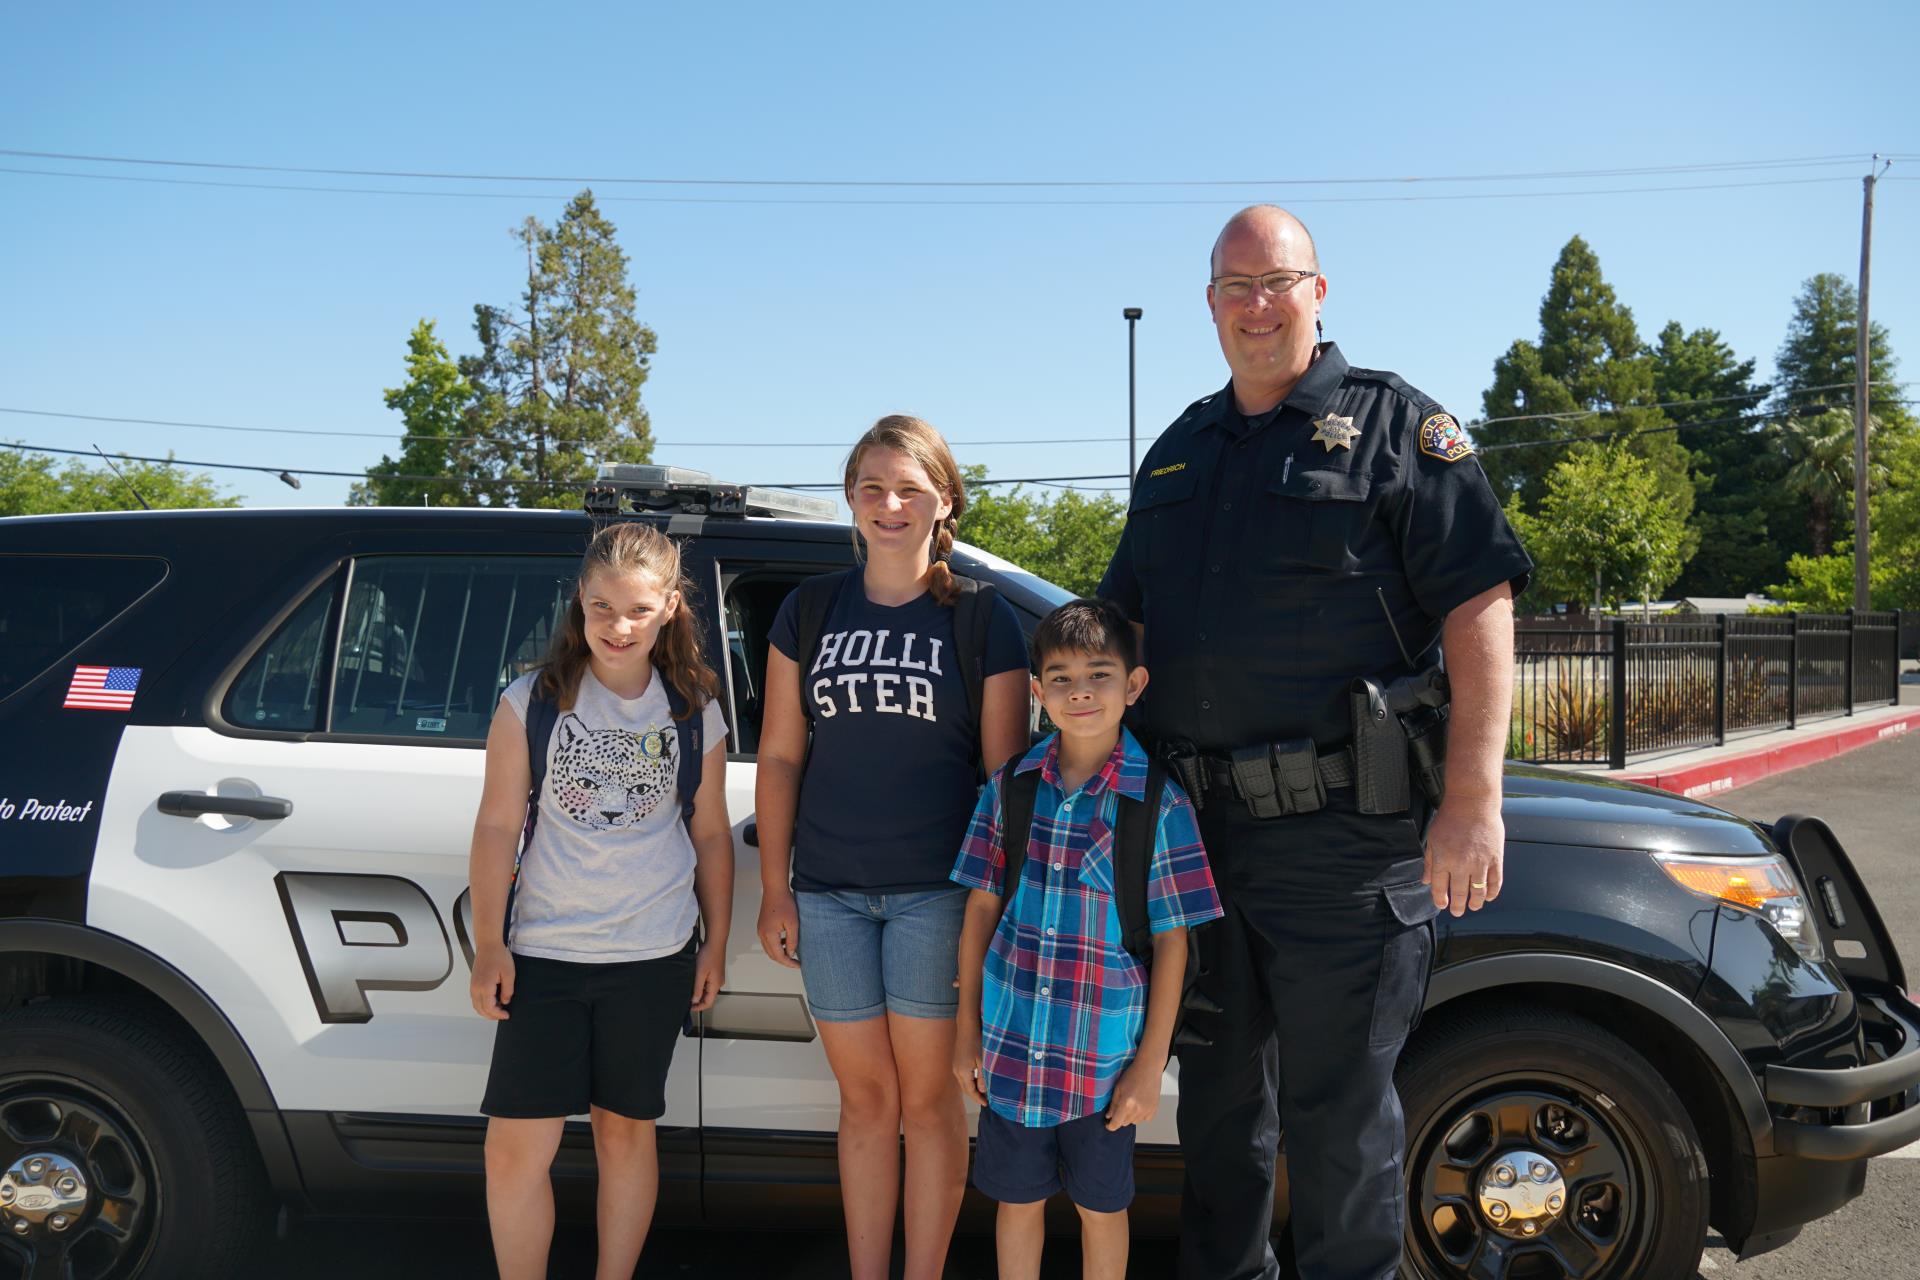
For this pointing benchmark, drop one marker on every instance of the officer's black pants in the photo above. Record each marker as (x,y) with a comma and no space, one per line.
(1321,972)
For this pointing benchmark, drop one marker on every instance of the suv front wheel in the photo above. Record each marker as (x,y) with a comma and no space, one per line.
(122,1153)
(1540,1145)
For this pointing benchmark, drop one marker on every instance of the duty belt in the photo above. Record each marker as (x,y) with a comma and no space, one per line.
(1271,779)
(1335,769)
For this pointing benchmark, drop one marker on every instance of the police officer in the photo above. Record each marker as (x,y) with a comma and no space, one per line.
(1308,526)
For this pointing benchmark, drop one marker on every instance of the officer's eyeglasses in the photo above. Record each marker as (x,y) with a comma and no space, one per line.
(1276,283)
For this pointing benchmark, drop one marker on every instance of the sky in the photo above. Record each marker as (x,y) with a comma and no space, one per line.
(791,316)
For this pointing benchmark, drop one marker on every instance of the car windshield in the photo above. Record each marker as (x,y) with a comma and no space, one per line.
(1028,590)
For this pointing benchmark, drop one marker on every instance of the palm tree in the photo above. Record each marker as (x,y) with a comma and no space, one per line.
(1821,449)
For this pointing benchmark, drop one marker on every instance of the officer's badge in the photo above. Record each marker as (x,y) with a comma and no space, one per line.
(1443,438)
(1335,432)
(653,745)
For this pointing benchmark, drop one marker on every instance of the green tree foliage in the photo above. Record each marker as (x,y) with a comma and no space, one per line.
(1821,471)
(1604,521)
(1588,361)
(433,406)
(1824,583)
(1819,359)
(557,380)
(1739,501)
(1067,539)
(34,485)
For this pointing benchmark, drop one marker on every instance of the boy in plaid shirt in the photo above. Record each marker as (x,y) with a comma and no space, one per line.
(1061,1038)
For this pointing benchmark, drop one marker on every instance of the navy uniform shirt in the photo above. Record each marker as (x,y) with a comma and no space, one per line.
(1264,562)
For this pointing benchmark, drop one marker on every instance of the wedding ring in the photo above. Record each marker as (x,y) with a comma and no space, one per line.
(1478,884)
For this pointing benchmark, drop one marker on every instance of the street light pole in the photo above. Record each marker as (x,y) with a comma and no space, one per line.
(1132,316)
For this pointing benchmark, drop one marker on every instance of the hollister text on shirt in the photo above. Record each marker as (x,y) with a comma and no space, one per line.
(875,671)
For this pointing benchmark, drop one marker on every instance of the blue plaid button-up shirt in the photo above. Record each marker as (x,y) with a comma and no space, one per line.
(1063,1003)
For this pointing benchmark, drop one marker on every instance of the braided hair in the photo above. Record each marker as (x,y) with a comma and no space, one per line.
(919,441)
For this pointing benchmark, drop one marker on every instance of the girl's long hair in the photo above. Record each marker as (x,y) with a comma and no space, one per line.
(623,549)
(919,441)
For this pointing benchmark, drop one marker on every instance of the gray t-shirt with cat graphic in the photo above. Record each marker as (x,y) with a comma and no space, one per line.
(609,874)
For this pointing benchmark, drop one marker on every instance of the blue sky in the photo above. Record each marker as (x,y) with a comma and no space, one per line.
(782,323)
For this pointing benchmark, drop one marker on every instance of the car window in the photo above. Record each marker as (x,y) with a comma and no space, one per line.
(52,604)
(427,643)
(753,599)
(280,686)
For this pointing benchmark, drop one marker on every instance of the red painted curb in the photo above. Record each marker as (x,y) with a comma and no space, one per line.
(1715,776)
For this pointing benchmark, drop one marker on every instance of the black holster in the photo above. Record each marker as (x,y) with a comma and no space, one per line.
(1400,740)
(1380,779)
(1183,761)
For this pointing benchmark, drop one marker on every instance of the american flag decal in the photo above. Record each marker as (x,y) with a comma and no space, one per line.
(103,688)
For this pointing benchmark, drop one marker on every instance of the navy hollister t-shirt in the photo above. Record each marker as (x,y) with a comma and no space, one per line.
(891,779)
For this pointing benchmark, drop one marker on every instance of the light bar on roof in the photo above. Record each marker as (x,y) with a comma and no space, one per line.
(625,488)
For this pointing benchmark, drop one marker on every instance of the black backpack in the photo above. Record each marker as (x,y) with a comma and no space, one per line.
(1134,825)
(543,713)
(813,602)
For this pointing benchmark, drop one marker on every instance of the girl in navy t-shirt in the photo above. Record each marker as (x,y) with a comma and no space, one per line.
(857,834)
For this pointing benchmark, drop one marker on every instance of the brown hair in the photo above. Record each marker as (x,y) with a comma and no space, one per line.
(1085,626)
(626,548)
(919,441)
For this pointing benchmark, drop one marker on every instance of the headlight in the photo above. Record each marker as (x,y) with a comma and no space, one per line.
(1765,886)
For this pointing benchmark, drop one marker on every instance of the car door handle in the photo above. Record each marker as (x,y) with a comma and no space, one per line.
(191,804)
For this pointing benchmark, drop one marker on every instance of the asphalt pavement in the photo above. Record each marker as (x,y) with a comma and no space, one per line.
(1871,798)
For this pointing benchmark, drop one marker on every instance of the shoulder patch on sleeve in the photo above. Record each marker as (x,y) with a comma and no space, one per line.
(1443,438)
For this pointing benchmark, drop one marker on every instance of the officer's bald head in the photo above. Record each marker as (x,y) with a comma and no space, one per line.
(1271,223)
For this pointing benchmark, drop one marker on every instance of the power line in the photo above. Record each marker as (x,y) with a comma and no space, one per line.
(508,440)
(1673,404)
(1718,166)
(1559,415)
(1654,431)
(475,480)
(927,203)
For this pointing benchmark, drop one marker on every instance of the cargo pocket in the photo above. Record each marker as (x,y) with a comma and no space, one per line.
(1405,962)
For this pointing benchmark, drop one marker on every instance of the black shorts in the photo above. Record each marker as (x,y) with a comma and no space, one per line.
(579,1034)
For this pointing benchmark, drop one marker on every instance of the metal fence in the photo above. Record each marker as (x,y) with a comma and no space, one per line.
(1598,690)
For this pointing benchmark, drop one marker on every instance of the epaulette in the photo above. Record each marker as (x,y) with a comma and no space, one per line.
(1187,414)
(1392,382)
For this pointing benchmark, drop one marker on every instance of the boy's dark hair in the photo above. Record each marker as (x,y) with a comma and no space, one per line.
(1085,626)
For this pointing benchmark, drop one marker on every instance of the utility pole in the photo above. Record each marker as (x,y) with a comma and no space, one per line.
(1862,376)
(1132,316)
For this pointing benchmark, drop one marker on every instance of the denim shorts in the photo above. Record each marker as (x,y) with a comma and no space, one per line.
(865,954)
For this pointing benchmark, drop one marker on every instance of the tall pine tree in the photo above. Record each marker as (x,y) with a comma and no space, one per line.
(1711,396)
(557,380)
(1588,374)
(1816,368)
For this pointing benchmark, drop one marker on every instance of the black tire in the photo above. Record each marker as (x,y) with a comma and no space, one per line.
(1616,1141)
(176,1186)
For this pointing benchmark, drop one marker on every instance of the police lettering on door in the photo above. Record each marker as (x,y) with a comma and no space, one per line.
(870,671)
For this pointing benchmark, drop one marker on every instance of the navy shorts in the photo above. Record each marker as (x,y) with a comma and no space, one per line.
(579,1034)
(1017,1165)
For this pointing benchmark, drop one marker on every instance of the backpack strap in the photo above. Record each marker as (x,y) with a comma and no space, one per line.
(973,612)
(1137,822)
(813,602)
(543,713)
(691,731)
(1017,794)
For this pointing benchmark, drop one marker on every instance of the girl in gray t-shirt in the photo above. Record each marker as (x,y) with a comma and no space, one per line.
(602,961)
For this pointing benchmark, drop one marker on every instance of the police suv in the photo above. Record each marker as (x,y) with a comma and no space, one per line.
(240,753)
